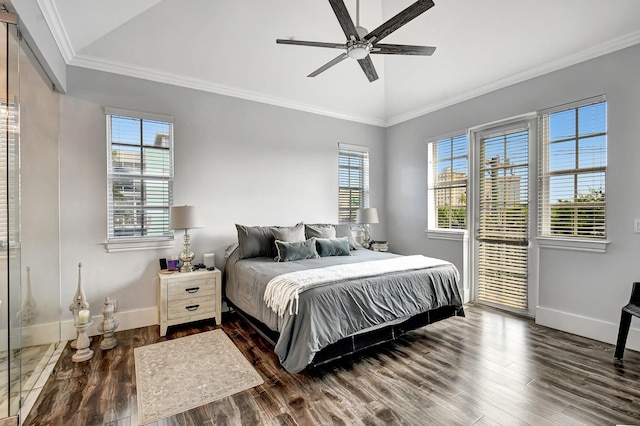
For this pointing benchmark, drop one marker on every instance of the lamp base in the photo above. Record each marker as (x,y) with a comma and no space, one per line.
(366,239)
(187,255)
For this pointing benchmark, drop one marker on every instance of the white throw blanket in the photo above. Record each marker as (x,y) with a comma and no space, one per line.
(282,292)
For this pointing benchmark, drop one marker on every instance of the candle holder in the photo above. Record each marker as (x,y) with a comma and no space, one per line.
(79,304)
(108,325)
(83,353)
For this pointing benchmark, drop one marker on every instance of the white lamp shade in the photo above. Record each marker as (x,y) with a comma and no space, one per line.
(369,215)
(184,217)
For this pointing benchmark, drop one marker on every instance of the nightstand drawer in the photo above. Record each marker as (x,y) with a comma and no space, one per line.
(190,307)
(187,289)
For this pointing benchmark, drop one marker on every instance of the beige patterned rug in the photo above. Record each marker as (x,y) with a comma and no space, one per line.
(181,374)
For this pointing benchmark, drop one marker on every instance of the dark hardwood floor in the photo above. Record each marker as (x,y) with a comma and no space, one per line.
(489,368)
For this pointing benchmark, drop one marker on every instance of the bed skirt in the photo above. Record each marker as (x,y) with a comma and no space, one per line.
(363,340)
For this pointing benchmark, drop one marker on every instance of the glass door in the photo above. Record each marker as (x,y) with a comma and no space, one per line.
(10,284)
(502,217)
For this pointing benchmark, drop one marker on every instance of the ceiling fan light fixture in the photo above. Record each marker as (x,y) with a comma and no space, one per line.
(358,50)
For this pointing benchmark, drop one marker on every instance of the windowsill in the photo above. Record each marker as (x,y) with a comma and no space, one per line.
(446,234)
(594,246)
(138,244)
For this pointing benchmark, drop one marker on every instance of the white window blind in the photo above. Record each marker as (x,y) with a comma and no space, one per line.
(503,233)
(448,166)
(353,181)
(140,175)
(572,170)
(9,175)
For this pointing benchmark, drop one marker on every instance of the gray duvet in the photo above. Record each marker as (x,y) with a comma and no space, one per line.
(333,311)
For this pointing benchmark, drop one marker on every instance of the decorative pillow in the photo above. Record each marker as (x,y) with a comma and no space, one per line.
(344,230)
(333,246)
(289,233)
(296,250)
(255,241)
(320,231)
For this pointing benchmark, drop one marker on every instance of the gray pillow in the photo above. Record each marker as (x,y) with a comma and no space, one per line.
(255,241)
(296,250)
(289,233)
(344,230)
(320,231)
(333,246)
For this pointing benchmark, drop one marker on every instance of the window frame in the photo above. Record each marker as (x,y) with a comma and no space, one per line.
(433,231)
(343,150)
(544,237)
(140,242)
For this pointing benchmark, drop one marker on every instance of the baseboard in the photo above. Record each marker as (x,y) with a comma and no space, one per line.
(587,327)
(127,320)
(40,334)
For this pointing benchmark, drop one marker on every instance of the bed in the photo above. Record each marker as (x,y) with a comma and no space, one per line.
(362,297)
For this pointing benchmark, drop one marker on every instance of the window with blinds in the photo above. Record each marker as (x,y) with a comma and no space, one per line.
(140,175)
(572,170)
(353,181)
(448,165)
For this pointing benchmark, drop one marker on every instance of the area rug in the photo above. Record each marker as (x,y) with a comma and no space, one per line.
(181,374)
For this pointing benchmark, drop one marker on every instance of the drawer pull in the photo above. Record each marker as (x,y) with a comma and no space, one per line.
(192,289)
(192,307)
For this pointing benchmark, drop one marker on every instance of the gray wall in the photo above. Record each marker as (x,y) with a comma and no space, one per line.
(238,161)
(578,291)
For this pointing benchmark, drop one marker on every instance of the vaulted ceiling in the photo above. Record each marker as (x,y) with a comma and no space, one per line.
(228,47)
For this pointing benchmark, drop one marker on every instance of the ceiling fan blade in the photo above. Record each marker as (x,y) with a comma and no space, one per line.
(399,20)
(312,43)
(402,49)
(344,19)
(329,64)
(367,66)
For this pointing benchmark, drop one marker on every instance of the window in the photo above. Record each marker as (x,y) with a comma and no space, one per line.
(573,166)
(447,183)
(140,175)
(353,181)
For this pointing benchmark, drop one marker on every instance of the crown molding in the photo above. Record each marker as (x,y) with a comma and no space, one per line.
(52,18)
(567,61)
(129,70)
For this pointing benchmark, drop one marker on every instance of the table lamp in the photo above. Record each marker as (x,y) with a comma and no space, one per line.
(184,217)
(365,217)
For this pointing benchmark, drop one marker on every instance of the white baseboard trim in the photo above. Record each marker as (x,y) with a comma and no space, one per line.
(40,334)
(127,320)
(587,327)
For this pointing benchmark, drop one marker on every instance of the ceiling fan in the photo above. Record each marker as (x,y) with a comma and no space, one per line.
(360,43)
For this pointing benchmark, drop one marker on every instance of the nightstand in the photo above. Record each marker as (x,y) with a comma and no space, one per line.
(189,296)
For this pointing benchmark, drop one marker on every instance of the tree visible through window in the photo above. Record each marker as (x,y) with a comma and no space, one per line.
(448,164)
(573,166)
(353,181)
(140,175)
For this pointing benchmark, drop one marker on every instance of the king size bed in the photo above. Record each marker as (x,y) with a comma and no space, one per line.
(324,296)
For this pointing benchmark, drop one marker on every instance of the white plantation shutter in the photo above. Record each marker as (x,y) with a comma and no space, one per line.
(353,181)
(503,234)
(572,170)
(140,175)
